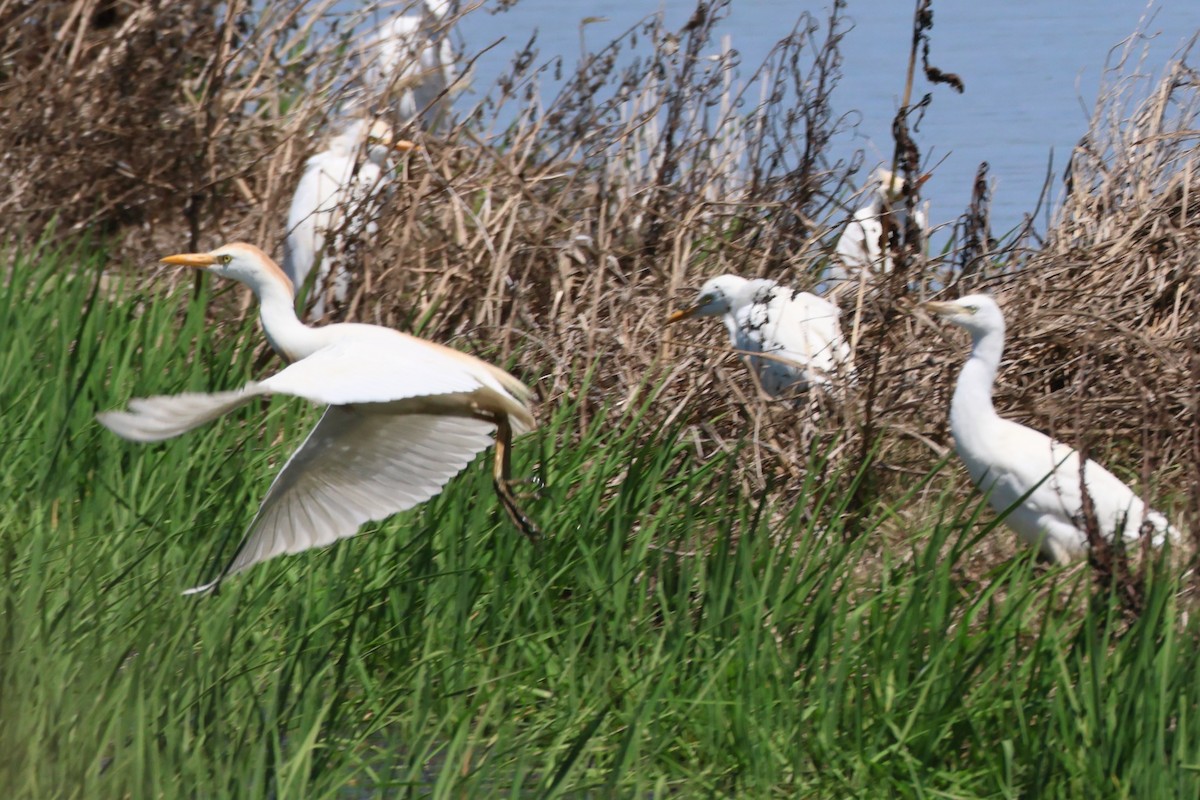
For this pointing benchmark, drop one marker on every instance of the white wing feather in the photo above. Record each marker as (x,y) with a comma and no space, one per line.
(153,419)
(353,468)
(798,326)
(340,374)
(1051,516)
(317,198)
(858,246)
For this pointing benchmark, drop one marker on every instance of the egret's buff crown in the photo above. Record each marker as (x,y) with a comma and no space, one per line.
(1025,474)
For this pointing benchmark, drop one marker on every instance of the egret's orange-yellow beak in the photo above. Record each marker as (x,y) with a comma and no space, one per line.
(940,308)
(684,313)
(197,260)
(404,145)
(919,182)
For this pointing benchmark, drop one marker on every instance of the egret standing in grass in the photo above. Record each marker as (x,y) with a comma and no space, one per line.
(1024,472)
(336,201)
(409,63)
(861,247)
(761,316)
(404,416)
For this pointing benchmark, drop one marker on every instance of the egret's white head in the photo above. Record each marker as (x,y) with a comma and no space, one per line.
(240,261)
(892,188)
(978,313)
(715,298)
(438,9)
(376,134)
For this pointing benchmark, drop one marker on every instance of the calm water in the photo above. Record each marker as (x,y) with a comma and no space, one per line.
(1031,70)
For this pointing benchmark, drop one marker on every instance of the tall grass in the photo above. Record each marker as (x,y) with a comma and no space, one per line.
(673,635)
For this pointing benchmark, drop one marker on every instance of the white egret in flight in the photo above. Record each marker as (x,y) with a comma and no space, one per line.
(1008,461)
(764,317)
(409,57)
(404,416)
(337,200)
(861,247)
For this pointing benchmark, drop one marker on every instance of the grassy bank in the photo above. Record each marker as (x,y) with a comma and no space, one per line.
(673,636)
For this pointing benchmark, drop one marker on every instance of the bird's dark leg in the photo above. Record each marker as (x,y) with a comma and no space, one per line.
(502,480)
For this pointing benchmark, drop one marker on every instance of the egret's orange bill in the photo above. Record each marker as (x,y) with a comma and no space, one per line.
(404,145)
(940,308)
(682,314)
(919,182)
(197,260)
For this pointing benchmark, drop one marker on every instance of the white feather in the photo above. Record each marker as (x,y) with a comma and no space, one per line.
(1008,461)
(764,317)
(337,200)
(153,419)
(356,466)
(409,58)
(859,248)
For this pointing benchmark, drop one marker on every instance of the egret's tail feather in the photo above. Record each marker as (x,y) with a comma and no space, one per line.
(153,419)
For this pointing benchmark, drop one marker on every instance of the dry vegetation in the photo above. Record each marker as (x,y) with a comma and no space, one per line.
(561,232)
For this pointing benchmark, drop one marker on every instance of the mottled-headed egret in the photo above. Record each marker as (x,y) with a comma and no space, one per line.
(337,196)
(1008,461)
(410,58)
(860,247)
(404,416)
(764,317)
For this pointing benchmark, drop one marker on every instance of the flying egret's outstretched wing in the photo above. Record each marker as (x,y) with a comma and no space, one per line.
(396,368)
(356,466)
(153,419)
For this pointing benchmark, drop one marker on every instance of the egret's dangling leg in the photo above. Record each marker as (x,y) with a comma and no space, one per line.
(503,482)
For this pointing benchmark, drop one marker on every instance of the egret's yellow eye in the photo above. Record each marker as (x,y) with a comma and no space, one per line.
(225,259)
(706,299)
(972,309)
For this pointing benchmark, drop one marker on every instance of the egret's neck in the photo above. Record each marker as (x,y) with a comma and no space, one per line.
(971,410)
(731,325)
(288,336)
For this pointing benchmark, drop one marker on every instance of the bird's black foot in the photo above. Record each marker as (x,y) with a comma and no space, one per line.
(508,499)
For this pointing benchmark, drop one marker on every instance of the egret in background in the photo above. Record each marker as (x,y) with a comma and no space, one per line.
(410,64)
(1024,472)
(404,416)
(861,247)
(337,200)
(764,317)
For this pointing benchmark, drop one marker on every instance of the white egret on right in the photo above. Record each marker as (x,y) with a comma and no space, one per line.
(860,247)
(403,416)
(337,201)
(1024,472)
(761,316)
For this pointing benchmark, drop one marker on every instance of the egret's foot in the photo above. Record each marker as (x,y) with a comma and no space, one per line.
(508,499)
(531,487)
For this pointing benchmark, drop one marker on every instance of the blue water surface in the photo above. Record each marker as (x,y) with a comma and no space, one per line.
(1031,68)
